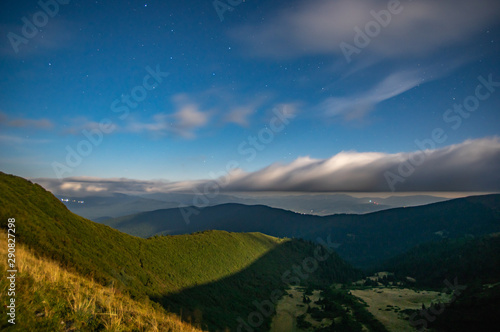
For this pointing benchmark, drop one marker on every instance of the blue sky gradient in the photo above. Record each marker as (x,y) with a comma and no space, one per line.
(226,79)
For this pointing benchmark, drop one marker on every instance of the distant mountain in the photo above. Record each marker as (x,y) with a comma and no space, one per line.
(314,203)
(210,278)
(328,204)
(363,240)
(229,217)
(100,207)
(110,206)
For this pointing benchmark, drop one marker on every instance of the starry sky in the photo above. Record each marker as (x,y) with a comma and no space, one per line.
(281,95)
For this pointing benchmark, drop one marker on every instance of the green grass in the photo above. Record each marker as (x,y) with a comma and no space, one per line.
(49,298)
(202,275)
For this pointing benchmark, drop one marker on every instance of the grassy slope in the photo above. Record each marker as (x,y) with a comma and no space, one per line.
(50,298)
(164,268)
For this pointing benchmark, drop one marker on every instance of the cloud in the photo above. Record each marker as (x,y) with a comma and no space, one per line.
(473,165)
(184,122)
(469,166)
(230,107)
(86,185)
(79,124)
(421,29)
(188,119)
(193,112)
(358,105)
(319,27)
(239,115)
(8,139)
(25,123)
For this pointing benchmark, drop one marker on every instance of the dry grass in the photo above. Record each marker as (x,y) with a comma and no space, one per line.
(50,296)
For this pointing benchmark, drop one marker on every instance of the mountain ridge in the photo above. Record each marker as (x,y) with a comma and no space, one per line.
(412,225)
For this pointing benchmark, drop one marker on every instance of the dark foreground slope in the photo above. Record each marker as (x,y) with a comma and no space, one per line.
(363,240)
(228,271)
(476,309)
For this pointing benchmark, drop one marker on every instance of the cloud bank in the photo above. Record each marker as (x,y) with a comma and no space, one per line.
(473,165)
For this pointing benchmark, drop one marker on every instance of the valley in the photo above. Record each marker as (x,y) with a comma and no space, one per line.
(292,306)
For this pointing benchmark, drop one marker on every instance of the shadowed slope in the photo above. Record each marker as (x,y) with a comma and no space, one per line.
(255,290)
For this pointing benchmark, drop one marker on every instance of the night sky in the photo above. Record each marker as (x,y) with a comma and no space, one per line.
(285,95)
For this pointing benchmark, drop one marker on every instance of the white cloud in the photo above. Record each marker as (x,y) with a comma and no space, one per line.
(239,115)
(184,122)
(232,107)
(196,111)
(87,185)
(190,118)
(358,105)
(473,165)
(421,29)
